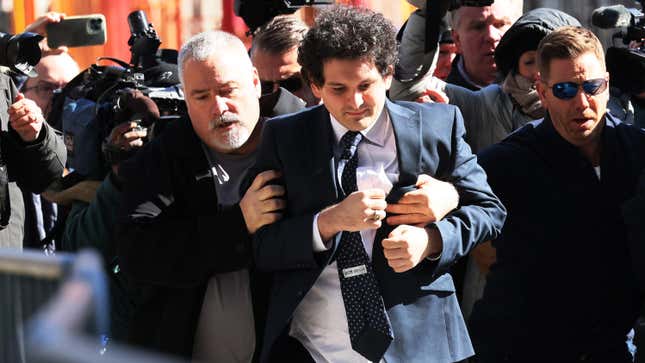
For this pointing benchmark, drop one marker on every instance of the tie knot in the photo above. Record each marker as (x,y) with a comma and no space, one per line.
(349,143)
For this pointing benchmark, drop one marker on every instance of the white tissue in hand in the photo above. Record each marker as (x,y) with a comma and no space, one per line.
(372,178)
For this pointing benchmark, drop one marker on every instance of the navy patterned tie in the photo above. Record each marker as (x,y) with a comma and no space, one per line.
(369,327)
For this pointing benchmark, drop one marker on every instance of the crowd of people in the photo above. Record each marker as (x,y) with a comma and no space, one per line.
(317,204)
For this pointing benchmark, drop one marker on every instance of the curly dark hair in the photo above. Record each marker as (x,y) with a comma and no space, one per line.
(345,32)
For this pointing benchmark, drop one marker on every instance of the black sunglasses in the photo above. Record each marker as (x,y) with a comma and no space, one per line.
(291,84)
(568,90)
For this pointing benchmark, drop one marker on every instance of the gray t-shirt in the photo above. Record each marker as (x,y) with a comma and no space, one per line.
(229,171)
(226,330)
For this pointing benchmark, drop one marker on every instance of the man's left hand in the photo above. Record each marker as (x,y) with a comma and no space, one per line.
(406,246)
(430,202)
(26,118)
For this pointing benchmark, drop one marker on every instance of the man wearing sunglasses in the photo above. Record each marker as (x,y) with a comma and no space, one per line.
(562,288)
(275,55)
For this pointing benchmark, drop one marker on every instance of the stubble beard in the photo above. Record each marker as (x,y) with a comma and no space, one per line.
(233,138)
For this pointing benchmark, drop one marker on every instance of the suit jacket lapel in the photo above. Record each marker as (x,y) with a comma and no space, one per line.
(321,143)
(407,132)
(399,287)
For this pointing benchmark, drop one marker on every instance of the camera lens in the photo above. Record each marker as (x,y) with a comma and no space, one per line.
(95,24)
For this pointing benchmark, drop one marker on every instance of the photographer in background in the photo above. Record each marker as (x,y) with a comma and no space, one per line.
(93,215)
(55,70)
(32,154)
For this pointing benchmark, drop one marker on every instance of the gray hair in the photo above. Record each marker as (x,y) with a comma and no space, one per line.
(203,45)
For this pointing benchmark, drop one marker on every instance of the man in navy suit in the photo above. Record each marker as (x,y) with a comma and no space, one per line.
(347,285)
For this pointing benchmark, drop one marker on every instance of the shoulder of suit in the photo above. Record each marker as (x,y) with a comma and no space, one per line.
(432,107)
(299,117)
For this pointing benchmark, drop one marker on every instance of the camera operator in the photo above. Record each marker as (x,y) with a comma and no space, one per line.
(626,67)
(92,217)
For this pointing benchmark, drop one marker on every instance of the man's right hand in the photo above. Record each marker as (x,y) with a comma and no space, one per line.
(262,203)
(39,26)
(354,213)
(126,136)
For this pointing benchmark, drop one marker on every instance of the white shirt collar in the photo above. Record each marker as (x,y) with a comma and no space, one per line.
(376,133)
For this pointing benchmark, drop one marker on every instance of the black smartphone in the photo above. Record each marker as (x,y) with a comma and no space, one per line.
(77,31)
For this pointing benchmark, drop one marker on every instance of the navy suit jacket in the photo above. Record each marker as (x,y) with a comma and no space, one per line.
(421,303)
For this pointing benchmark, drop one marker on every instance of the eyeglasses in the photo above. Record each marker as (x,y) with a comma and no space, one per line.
(568,90)
(291,84)
(44,89)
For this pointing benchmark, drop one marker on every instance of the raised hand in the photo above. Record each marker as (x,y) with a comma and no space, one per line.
(26,118)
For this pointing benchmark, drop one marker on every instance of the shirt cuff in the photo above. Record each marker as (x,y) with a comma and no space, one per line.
(319,245)
(436,256)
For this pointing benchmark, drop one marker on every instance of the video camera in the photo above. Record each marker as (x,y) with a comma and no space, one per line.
(145,90)
(20,52)
(626,65)
(144,41)
(618,16)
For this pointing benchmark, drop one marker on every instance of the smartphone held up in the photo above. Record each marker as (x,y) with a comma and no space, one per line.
(77,31)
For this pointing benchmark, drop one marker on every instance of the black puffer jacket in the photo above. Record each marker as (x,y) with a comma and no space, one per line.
(526,33)
(33,165)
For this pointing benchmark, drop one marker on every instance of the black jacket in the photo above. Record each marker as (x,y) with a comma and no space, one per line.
(173,236)
(33,165)
(562,285)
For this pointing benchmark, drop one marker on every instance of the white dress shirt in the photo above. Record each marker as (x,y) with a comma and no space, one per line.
(320,321)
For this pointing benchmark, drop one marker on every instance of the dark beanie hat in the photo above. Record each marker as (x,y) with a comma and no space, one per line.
(526,33)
